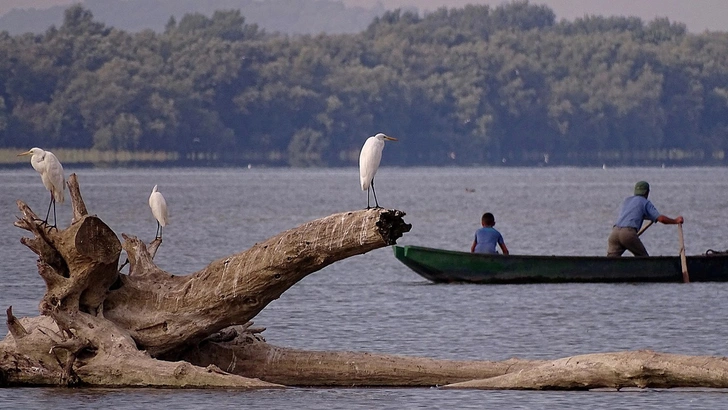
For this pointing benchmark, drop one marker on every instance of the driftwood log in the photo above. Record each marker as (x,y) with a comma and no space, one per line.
(101,328)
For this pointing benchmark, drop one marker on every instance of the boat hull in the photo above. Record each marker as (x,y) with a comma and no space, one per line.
(444,266)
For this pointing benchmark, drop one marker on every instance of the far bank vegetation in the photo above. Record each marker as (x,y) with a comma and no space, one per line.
(505,85)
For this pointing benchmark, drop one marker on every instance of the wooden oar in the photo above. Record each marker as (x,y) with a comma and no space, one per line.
(683,261)
(644,228)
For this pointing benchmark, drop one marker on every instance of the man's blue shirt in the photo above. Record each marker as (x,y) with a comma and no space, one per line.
(634,210)
(486,239)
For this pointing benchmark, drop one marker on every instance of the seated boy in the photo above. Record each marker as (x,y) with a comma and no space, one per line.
(487,237)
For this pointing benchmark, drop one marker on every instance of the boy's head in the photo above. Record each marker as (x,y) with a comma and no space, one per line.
(488,219)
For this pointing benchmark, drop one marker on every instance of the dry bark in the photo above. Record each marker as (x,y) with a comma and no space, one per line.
(180,311)
(99,327)
(246,354)
(641,369)
(242,351)
(95,352)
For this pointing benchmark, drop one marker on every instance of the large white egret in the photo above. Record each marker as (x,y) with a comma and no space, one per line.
(159,210)
(51,173)
(369,159)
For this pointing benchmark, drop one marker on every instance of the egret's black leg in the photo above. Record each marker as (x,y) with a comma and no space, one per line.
(52,203)
(49,209)
(376,203)
(368,189)
(54,212)
(159,230)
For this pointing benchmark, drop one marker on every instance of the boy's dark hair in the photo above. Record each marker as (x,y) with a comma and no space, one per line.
(488,219)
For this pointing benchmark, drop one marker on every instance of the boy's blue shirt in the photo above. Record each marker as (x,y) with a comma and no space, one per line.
(486,239)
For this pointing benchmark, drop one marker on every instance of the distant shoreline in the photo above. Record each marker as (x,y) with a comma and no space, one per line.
(9,156)
(604,159)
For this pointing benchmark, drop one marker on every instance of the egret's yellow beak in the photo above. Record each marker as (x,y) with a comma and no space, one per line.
(25,153)
(386,137)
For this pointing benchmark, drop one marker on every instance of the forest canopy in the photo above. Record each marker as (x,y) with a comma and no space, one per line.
(472,85)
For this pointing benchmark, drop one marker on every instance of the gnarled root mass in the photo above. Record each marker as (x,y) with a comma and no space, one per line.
(95,352)
(99,327)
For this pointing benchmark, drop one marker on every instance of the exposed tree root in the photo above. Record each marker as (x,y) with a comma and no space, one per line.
(96,354)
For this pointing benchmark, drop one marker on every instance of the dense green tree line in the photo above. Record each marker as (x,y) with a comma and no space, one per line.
(463,86)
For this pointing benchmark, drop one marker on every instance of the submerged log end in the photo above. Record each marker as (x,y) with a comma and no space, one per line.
(634,369)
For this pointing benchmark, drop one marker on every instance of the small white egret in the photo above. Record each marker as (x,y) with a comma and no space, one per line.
(369,158)
(159,210)
(51,173)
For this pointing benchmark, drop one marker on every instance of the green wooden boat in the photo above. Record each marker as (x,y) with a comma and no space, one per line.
(445,266)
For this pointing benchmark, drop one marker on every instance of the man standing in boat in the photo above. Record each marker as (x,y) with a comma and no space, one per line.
(633,211)
(487,237)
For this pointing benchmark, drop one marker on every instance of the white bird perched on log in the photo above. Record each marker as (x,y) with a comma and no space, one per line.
(159,210)
(51,173)
(369,158)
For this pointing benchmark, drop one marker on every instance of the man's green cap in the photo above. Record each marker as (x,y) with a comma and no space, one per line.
(641,188)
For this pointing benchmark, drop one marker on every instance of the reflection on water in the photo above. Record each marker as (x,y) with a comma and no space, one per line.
(373,303)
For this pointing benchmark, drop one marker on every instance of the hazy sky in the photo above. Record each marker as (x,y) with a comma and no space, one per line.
(698,15)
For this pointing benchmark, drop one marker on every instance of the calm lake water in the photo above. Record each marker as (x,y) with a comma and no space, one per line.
(373,303)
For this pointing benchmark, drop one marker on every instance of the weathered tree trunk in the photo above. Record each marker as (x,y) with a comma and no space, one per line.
(247,355)
(241,351)
(182,310)
(640,369)
(99,327)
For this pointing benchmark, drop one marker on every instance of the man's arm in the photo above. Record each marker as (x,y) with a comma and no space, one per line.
(472,248)
(669,221)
